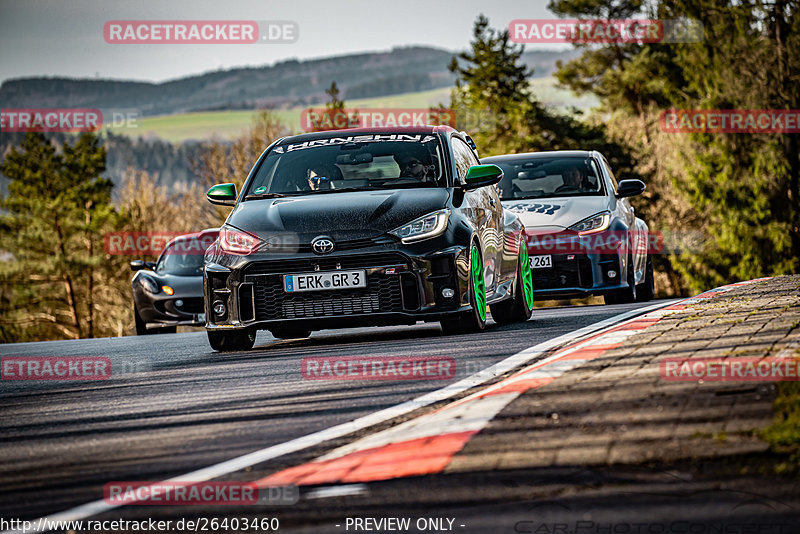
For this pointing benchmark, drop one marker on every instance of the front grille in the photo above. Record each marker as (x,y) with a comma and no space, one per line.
(305,248)
(325,263)
(191,305)
(382,294)
(564,273)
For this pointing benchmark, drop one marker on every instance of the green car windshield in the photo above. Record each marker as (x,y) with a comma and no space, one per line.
(357,162)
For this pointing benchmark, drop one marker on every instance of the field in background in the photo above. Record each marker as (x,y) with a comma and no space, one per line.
(230,124)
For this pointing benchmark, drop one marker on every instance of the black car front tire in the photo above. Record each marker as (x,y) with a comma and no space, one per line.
(142,330)
(230,340)
(141,327)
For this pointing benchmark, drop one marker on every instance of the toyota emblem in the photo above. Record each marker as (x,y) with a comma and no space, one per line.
(322,245)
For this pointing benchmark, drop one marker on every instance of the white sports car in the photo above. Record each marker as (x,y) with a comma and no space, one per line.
(583,237)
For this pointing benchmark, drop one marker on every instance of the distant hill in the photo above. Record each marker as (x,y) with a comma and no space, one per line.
(286,84)
(229,124)
(176,114)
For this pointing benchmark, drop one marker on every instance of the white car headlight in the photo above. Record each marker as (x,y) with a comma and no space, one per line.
(425,227)
(595,223)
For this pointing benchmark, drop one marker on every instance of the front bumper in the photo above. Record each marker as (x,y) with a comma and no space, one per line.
(199,321)
(158,311)
(578,275)
(404,285)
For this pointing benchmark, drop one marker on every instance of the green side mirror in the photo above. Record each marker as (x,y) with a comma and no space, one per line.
(222,194)
(482,175)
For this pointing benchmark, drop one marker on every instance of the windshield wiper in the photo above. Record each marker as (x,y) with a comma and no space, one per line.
(265,195)
(528,197)
(342,190)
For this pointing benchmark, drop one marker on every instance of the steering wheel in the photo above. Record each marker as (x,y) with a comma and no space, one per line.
(566,188)
(401,180)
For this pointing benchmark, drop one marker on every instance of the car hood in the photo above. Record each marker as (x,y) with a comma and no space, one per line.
(556,212)
(341,216)
(184,286)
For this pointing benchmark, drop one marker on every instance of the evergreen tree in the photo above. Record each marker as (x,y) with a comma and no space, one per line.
(492,100)
(335,116)
(55,214)
(740,189)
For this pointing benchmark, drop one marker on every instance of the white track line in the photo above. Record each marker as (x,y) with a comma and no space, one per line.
(237,464)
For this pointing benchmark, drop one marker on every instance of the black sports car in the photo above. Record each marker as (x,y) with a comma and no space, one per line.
(583,236)
(169,292)
(364,227)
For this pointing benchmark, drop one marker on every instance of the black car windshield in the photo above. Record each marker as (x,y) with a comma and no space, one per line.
(182,258)
(357,162)
(542,177)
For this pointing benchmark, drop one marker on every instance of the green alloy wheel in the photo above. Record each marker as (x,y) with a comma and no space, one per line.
(518,308)
(478,285)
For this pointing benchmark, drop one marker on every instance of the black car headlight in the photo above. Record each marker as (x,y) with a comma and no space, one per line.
(595,223)
(149,285)
(425,227)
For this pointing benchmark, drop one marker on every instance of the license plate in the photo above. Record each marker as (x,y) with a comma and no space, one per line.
(541,262)
(201,317)
(295,283)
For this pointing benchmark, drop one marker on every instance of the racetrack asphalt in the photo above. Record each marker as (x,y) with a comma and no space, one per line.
(173,405)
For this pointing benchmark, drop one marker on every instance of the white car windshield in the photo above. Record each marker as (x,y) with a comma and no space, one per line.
(542,177)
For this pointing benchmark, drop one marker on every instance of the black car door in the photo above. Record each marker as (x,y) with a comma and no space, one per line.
(486,208)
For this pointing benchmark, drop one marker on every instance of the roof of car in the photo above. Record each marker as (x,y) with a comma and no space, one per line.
(534,155)
(365,131)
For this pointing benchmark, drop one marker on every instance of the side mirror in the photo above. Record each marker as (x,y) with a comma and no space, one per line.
(482,175)
(222,194)
(138,265)
(630,188)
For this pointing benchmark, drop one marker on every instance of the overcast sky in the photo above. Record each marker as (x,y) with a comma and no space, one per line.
(65,37)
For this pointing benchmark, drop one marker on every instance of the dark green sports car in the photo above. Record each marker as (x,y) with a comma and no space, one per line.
(364,227)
